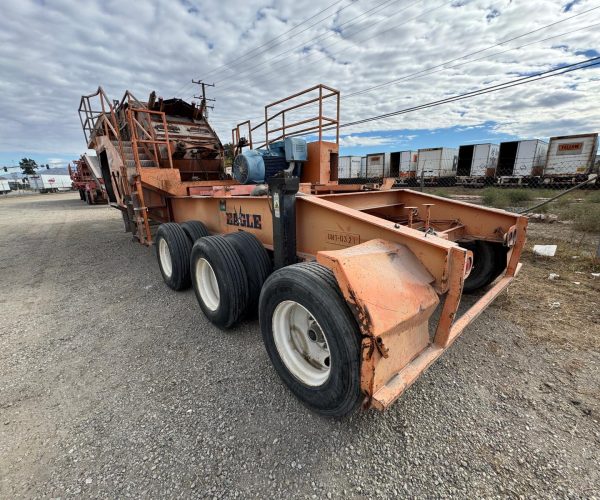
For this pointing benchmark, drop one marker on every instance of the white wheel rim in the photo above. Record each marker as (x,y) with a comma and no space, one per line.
(207,285)
(301,343)
(165,257)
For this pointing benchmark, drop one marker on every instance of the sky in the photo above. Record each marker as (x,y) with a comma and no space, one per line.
(257,51)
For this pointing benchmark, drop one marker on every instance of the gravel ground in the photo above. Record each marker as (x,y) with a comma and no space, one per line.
(112,385)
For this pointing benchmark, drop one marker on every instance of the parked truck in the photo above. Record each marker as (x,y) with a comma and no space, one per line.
(86,178)
(345,281)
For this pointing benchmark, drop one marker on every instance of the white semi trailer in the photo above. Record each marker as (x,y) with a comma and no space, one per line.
(408,163)
(48,183)
(437,165)
(570,158)
(4,186)
(521,162)
(477,163)
(378,165)
(350,167)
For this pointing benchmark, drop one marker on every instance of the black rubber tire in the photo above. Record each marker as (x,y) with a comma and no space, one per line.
(231,279)
(194,230)
(314,287)
(500,262)
(257,264)
(485,265)
(180,249)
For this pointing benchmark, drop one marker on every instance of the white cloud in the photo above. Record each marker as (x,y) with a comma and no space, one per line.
(351,141)
(52,52)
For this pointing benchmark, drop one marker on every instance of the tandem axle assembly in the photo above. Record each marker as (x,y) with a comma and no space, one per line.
(345,278)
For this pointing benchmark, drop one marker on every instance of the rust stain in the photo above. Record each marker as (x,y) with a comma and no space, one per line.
(361,314)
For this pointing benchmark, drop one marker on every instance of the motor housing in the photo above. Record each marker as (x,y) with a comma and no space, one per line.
(255,166)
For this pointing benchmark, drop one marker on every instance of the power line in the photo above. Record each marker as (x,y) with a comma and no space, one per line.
(243,56)
(475,93)
(314,39)
(420,74)
(218,69)
(384,83)
(429,70)
(484,90)
(390,82)
(588,63)
(494,88)
(294,63)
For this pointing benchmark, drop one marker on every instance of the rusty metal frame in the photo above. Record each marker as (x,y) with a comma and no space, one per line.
(447,263)
(358,236)
(236,135)
(148,136)
(129,98)
(149,140)
(290,129)
(448,331)
(91,118)
(105,118)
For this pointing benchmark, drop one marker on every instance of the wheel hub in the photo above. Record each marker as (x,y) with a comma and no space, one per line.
(165,257)
(301,343)
(207,285)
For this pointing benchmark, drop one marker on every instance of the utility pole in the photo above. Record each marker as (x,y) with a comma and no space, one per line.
(203,98)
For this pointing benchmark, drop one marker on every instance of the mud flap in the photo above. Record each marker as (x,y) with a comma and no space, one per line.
(390,294)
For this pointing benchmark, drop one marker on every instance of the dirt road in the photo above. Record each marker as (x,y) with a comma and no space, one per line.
(112,385)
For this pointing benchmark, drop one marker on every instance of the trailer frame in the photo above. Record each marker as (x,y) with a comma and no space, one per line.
(396,254)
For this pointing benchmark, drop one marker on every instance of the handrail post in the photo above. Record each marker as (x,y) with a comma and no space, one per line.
(283,124)
(266,129)
(320,113)
(337,122)
(164,120)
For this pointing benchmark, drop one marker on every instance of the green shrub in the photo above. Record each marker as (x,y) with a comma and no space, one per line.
(494,197)
(563,201)
(585,216)
(517,196)
(593,197)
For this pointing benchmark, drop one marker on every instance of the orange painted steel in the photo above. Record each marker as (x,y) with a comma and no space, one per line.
(142,191)
(84,180)
(402,380)
(393,314)
(390,275)
(320,225)
(395,253)
(289,128)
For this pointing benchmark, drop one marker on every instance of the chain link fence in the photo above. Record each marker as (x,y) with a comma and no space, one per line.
(565,192)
